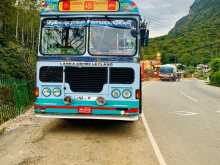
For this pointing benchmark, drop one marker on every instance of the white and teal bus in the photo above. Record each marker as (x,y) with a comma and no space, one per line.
(89,60)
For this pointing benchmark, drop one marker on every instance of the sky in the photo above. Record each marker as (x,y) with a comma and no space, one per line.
(163,14)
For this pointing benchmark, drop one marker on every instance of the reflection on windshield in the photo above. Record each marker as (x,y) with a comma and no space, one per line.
(112,37)
(63,37)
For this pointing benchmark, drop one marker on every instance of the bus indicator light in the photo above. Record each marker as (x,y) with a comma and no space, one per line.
(36,92)
(89,5)
(66,5)
(112,5)
(138,94)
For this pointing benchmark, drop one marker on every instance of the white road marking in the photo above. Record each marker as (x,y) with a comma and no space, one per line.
(185,113)
(189,97)
(217,111)
(153,142)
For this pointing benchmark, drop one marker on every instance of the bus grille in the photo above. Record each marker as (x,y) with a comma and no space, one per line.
(51,74)
(121,76)
(88,79)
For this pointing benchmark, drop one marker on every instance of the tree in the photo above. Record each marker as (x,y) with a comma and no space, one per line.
(215,64)
(19,23)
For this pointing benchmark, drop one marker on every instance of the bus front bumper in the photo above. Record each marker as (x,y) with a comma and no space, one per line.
(125,111)
(90,117)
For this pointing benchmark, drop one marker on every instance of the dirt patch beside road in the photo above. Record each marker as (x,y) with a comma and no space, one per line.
(28,141)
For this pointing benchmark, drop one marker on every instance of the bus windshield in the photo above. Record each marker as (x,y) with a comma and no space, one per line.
(113,37)
(63,37)
(166,70)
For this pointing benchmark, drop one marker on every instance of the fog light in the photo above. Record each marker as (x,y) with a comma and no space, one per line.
(100,101)
(67,100)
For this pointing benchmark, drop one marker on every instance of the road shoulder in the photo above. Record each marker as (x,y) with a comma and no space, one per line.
(41,141)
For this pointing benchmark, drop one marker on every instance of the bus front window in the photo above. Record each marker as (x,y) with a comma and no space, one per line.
(63,37)
(166,70)
(113,37)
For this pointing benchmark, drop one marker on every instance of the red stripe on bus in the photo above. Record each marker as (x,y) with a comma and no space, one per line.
(72,107)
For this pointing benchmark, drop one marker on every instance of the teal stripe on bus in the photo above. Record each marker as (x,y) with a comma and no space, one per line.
(68,111)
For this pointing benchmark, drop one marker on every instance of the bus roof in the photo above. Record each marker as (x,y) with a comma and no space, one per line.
(62,7)
(168,66)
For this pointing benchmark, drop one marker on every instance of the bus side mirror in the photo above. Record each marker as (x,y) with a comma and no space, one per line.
(144,37)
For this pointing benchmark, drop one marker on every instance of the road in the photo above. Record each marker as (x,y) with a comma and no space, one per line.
(182,127)
(184,118)
(33,141)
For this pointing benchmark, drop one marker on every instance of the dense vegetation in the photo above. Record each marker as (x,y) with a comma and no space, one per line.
(18,46)
(15,96)
(195,38)
(215,73)
(18,38)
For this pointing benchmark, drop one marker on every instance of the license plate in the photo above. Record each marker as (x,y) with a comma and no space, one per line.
(85,110)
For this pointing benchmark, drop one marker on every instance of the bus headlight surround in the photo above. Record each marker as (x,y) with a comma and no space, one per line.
(116,93)
(46,92)
(57,92)
(127,94)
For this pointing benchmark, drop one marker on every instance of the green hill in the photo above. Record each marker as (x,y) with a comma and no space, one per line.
(195,37)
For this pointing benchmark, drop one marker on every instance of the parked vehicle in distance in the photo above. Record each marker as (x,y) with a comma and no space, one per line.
(168,72)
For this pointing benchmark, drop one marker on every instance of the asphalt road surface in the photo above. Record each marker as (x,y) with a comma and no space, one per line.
(184,118)
(180,126)
(33,141)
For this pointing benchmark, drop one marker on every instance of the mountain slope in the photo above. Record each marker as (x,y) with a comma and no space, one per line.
(195,37)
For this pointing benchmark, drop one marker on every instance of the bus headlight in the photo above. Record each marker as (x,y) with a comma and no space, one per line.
(126,94)
(57,92)
(46,92)
(116,93)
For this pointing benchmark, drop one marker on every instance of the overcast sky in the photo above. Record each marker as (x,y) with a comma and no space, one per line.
(163,14)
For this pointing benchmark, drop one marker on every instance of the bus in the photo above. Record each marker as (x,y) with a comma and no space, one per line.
(168,72)
(88,63)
